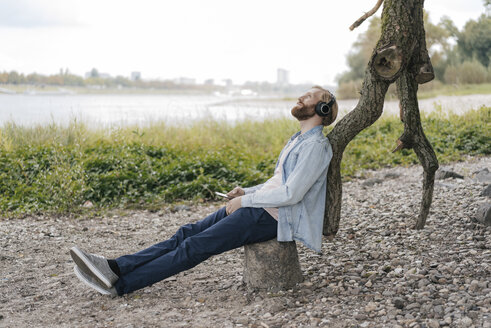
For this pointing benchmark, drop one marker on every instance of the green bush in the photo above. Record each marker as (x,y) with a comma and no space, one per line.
(55,170)
(468,72)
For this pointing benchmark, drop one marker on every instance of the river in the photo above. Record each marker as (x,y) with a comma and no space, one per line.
(121,110)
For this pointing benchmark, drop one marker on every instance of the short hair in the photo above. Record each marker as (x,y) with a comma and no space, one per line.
(326,97)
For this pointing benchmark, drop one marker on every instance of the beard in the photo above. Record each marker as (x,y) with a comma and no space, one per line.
(302,112)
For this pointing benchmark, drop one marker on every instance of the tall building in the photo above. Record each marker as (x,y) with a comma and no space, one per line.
(282,76)
(136,76)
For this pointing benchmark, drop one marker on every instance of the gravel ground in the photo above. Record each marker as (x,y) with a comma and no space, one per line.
(377,272)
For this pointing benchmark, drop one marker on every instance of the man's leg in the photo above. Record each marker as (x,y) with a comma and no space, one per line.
(244,226)
(128,263)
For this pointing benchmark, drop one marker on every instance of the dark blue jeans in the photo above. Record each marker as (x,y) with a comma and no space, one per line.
(192,244)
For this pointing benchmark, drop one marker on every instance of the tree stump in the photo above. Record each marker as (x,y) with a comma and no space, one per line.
(272,265)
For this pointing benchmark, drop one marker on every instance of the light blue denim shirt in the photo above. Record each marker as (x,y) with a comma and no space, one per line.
(301,199)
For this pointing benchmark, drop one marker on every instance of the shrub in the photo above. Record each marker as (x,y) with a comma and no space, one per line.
(55,169)
(468,72)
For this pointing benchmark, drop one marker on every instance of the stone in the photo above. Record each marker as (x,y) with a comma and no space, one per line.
(443,174)
(474,286)
(465,322)
(483,176)
(486,192)
(371,182)
(433,323)
(391,175)
(398,302)
(483,214)
(371,306)
(179,208)
(360,316)
(88,204)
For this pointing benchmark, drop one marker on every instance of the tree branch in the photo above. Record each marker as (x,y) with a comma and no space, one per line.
(364,17)
(407,89)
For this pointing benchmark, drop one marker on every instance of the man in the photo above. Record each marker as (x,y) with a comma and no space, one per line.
(289,206)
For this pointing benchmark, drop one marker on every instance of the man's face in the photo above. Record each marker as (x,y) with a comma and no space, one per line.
(305,107)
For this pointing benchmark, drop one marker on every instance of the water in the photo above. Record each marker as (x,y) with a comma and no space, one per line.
(125,109)
(120,110)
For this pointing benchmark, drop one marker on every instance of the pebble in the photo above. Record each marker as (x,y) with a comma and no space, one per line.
(376,272)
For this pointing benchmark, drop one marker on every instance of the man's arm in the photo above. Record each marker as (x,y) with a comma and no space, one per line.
(312,161)
(253,189)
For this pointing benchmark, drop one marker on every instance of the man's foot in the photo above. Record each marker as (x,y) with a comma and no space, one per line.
(92,283)
(94,265)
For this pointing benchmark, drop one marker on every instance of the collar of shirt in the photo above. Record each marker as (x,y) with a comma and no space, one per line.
(307,134)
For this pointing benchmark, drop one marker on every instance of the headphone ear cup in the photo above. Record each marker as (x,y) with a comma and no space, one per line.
(322,109)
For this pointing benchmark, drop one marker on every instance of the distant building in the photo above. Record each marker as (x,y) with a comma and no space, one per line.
(209,82)
(96,74)
(135,76)
(228,82)
(104,76)
(185,80)
(282,76)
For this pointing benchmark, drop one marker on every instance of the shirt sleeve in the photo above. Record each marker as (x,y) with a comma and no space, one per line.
(312,161)
(253,189)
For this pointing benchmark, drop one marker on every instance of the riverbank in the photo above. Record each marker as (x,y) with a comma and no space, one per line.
(56,169)
(377,272)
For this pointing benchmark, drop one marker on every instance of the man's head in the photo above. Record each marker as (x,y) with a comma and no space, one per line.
(305,107)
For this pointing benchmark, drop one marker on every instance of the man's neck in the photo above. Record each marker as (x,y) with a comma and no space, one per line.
(308,125)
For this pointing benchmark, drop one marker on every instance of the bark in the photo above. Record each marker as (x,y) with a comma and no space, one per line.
(414,137)
(272,265)
(400,55)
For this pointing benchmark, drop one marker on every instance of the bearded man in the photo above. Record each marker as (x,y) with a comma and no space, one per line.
(289,206)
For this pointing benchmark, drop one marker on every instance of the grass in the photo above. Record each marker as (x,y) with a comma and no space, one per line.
(456,90)
(55,169)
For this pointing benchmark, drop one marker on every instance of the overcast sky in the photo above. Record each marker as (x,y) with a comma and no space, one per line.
(241,40)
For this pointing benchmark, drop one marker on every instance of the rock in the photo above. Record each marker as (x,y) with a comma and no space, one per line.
(371,182)
(442,174)
(486,192)
(483,176)
(179,208)
(474,287)
(433,323)
(371,306)
(360,316)
(398,302)
(391,175)
(483,214)
(446,185)
(464,322)
(244,320)
(88,204)
(413,306)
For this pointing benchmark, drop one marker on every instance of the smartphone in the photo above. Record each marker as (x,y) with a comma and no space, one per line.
(221,194)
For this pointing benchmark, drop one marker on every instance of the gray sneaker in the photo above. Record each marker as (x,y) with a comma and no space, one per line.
(92,283)
(94,265)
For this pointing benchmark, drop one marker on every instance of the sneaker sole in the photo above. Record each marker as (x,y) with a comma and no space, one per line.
(86,266)
(91,285)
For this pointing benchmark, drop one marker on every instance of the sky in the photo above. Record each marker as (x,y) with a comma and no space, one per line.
(218,39)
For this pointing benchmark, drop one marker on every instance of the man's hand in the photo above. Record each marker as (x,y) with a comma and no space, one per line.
(233,205)
(236,192)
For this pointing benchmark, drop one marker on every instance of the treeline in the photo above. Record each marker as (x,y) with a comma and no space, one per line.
(65,78)
(458,56)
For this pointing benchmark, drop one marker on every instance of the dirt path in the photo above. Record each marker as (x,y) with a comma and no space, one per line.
(378,272)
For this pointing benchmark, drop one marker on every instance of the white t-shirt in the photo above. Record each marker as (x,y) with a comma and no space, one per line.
(276,179)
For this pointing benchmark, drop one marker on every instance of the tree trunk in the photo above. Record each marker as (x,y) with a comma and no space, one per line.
(272,265)
(400,55)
